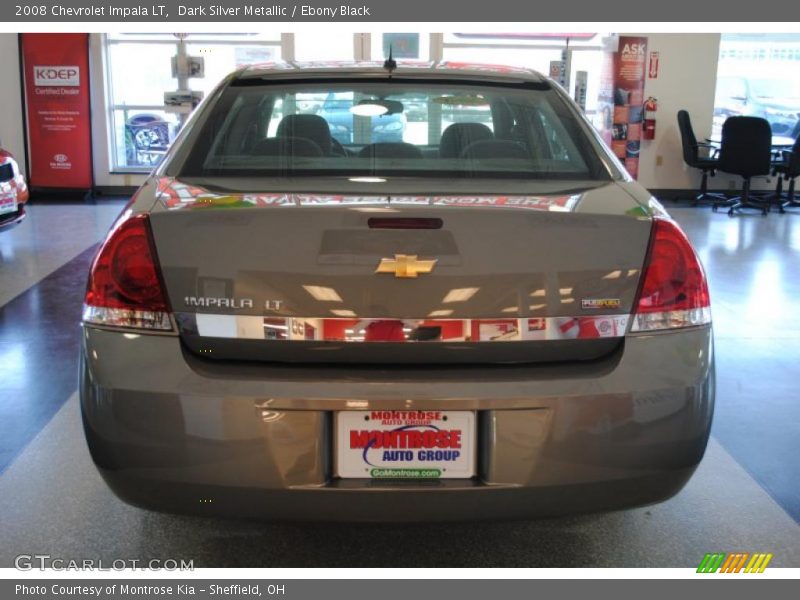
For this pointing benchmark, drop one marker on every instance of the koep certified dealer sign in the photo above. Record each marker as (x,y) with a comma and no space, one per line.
(56,72)
(60,75)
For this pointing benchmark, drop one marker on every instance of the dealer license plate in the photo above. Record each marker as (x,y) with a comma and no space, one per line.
(400,444)
(8,202)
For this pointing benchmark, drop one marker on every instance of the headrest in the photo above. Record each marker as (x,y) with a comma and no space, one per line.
(460,135)
(310,127)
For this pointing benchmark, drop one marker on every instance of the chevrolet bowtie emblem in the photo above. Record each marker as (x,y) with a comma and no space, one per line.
(405,265)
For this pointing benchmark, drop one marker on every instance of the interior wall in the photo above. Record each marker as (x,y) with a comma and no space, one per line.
(687,80)
(12,136)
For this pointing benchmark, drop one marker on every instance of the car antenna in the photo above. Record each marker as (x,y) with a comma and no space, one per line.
(390,64)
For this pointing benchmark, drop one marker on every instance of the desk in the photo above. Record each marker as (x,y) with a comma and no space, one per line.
(779,142)
(782,141)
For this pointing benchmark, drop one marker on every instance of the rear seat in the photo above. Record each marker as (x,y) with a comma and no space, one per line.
(390,150)
(460,135)
(495,149)
(286,146)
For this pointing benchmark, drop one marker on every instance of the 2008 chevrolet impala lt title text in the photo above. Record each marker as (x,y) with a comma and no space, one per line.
(341,314)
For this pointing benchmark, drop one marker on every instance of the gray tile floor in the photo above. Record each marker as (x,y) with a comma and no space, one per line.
(51,235)
(744,497)
(753,266)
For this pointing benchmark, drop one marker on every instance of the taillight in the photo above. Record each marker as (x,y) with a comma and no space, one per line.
(674,291)
(124,288)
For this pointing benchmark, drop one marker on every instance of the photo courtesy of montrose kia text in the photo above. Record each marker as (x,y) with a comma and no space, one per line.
(320,299)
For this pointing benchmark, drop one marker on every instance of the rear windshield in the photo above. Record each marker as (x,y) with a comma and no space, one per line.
(392,128)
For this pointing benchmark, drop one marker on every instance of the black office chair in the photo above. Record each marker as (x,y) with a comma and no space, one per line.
(746,151)
(698,156)
(788,169)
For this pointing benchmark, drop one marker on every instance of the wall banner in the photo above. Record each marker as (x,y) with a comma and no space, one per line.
(629,76)
(56,73)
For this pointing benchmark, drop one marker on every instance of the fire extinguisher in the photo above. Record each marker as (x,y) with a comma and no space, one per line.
(649,118)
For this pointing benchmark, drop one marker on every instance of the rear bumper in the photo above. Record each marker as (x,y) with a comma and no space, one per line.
(172,432)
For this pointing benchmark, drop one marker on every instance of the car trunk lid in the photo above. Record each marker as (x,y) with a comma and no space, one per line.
(314,277)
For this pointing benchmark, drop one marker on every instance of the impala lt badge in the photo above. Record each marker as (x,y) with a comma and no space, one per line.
(206,302)
(405,265)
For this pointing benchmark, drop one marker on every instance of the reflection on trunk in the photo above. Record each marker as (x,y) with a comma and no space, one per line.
(402,330)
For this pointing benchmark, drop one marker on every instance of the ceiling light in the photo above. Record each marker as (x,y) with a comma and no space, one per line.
(367,179)
(340,312)
(369,108)
(440,313)
(537,293)
(460,295)
(322,293)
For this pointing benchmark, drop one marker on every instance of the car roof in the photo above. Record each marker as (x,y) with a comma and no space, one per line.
(414,69)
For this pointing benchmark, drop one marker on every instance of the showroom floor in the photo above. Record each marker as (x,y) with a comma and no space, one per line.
(744,497)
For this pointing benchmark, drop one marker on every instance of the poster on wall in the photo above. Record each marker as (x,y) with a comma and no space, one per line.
(629,78)
(56,72)
(403,45)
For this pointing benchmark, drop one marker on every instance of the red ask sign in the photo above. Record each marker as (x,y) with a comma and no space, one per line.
(56,67)
(630,71)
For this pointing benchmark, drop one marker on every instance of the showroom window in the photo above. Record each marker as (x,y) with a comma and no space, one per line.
(310,46)
(405,46)
(753,79)
(535,51)
(141,126)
